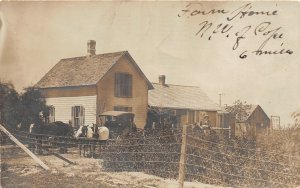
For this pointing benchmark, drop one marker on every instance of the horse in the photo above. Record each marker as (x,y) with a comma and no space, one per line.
(92,133)
(55,130)
(84,131)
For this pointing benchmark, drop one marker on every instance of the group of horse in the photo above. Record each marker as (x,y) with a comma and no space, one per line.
(62,131)
(59,128)
(86,135)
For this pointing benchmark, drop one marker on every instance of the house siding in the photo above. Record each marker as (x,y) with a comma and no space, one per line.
(196,116)
(138,101)
(76,91)
(63,107)
(212,118)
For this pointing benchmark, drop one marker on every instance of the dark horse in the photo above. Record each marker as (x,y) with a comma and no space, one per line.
(53,134)
(57,128)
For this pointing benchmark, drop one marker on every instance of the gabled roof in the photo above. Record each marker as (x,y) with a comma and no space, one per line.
(180,97)
(250,111)
(251,108)
(84,71)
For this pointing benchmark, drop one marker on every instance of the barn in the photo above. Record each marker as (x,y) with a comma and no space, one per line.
(78,89)
(254,125)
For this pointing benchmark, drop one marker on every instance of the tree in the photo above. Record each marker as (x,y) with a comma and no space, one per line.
(32,103)
(21,108)
(9,105)
(239,109)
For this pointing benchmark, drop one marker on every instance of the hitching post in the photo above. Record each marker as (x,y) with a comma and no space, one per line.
(182,158)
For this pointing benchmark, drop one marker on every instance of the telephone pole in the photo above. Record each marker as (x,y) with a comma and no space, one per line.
(220,98)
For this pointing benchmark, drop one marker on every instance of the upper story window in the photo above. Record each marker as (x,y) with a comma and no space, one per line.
(123,85)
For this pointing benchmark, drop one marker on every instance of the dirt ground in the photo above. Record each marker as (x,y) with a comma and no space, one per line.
(19,170)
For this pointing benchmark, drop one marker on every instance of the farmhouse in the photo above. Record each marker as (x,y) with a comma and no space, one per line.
(78,89)
(255,124)
(189,104)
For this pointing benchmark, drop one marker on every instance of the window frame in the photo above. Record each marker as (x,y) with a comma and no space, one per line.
(123,108)
(51,116)
(123,86)
(78,116)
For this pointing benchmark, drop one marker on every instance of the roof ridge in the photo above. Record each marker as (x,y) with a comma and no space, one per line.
(121,52)
(74,72)
(177,85)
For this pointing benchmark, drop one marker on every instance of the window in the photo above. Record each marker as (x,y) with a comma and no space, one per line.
(123,85)
(51,116)
(77,116)
(123,108)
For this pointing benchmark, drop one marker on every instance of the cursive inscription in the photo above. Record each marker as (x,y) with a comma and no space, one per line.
(264,31)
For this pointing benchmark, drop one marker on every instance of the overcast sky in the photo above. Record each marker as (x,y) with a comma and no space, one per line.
(36,35)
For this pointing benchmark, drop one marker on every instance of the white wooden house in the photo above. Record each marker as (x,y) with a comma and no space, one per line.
(80,88)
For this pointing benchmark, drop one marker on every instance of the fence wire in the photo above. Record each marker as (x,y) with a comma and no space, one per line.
(209,159)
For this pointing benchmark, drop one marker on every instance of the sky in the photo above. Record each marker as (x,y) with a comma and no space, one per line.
(34,36)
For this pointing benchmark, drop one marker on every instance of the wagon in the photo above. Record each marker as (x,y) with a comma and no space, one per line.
(119,123)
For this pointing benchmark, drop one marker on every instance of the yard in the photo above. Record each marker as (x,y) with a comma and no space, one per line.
(19,170)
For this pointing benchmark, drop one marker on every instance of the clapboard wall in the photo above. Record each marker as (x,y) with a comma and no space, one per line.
(63,107)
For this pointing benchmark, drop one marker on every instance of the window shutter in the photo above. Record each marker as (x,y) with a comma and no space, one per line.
(52,114)
(82,114)
(117,85)
(130,85)
(123,85)
(72,115)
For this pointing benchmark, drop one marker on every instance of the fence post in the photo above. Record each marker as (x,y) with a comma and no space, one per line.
(35,158)
(182,158)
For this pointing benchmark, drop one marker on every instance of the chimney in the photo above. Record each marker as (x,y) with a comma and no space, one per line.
(162,79)
(91,47)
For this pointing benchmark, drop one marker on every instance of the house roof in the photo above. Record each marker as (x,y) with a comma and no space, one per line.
(180,97)
(84,71)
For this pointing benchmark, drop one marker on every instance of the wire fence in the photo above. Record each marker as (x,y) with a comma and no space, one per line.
(209,157)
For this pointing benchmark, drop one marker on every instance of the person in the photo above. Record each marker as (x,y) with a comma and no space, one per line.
(206,120)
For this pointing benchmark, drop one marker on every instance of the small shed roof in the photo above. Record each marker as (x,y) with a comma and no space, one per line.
(180,97)
(250,111)
(84,71)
